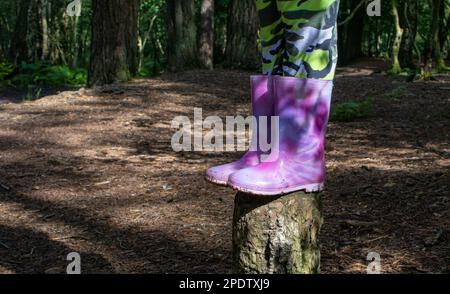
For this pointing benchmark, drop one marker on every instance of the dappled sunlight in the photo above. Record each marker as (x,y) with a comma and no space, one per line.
(94,172)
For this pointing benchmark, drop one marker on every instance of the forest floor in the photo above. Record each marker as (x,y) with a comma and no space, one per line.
(93,171)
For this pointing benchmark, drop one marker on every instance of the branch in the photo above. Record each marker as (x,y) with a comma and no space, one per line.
(350,17)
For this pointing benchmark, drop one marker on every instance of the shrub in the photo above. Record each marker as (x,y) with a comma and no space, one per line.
(350,111)
(6,70)
(45,74)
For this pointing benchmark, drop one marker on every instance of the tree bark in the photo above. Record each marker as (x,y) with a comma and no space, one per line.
(242,35)
(114,51)
(206,45)
(75,41)
(18,50)
(277,235)
(396,68)
(432,47)
(408,21)
(444,29)
(439,41)
(351,33)
(44,26)
(182,35)
(132,37)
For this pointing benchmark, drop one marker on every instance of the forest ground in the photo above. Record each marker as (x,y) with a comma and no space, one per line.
(93,171)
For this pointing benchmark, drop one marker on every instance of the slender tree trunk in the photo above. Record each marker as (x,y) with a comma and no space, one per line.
(378,39)
(143,40)
(351,34)
(439,40)
(182,34)
(444,32)
(5,30)
(206,45)
(75,41)
(44,25)
(18,50)
(34,32)
(242,35)
(408,21)
(114,41)
(433,47)
(132,37)
(396,68)
(370,47)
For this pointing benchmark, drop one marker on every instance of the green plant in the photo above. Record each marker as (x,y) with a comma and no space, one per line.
(151,67)
(352,110)
(45,74)
(33,93)
(6,69)
(397,93)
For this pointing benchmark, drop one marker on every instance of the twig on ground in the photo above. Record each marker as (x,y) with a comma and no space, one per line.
(4,245)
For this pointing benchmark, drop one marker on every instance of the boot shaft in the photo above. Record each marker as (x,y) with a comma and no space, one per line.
(303,107)
(303,103)
(262,95)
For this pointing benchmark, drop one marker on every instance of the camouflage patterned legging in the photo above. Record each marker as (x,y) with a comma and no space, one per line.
(299,37)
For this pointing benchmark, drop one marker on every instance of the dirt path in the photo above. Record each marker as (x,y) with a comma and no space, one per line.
(94,172)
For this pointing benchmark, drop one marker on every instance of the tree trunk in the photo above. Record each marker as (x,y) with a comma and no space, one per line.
(242,35)
(408,21)
(370,36)
(378,38)
(143,40)
(439,41)
(206,45)
(351,33)
(75,41)
(131,38)
(34,31)
(44,25)
(114,41)
(396,68)
(277,235)
(444,30)
(433,47)
(182,34)
(18,50)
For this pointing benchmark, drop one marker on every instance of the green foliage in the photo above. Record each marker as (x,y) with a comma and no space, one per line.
(153,34)
(6,69)
(404,72)
(151,67)
(397,93)
(45,74)
(33,93)
(351,111)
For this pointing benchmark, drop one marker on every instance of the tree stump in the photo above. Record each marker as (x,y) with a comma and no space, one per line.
(277,235)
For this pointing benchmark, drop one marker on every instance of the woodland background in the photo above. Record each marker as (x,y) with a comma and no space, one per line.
(86,163)
(41,45)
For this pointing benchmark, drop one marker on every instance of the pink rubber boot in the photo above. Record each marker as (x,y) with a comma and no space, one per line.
(298,163)
(262,105)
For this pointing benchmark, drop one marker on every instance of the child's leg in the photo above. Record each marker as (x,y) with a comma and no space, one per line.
(311,38)
(271,37)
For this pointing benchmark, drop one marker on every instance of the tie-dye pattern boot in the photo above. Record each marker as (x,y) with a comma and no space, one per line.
(298,161)
(262,105)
